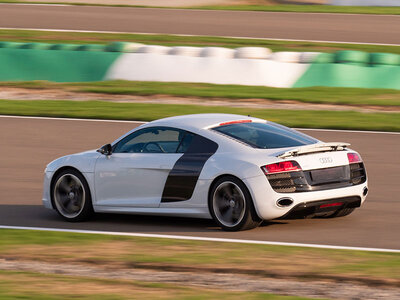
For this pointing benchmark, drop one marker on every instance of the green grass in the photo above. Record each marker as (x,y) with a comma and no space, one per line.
(321,95)
(199,256)
(148,112)
(269,8)
(12,238)
(15,35)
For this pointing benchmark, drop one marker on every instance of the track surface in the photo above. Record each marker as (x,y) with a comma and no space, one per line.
(323,27)
(29,144)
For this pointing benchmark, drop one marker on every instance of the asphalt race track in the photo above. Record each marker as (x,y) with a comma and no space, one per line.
(302,26)
(29,144)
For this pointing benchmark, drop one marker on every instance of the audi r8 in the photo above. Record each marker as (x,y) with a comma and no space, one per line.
(235,169)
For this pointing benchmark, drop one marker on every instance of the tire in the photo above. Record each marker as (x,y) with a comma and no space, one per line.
(231,206)
(352,57)
(385,59)
(325,58)
(71,196)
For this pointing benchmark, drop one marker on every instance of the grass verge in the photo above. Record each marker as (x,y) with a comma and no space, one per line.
(16,35)
(267,8)
(200,256)
(321,95)
(148,112)
(35,286)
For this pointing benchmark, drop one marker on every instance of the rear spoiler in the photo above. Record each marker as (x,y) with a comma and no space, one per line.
(319,147)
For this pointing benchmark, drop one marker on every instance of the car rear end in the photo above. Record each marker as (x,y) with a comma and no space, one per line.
(315,184)
(330,182)
(299,176)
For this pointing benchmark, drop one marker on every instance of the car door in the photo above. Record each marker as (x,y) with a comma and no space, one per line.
(134,175)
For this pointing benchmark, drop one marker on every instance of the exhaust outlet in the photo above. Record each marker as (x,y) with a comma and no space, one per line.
(284,202)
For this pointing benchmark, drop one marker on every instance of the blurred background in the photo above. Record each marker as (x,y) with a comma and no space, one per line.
(76,74)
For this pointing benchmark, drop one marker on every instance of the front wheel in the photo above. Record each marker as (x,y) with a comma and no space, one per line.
(231,205)
(71,196)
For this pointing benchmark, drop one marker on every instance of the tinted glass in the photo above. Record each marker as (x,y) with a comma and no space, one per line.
(151,140)
(265,135)
(185,143)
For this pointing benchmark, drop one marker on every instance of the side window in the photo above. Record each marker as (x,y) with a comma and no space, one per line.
(185,143)
(152,140)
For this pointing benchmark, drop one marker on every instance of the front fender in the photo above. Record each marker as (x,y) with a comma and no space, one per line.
(84,162)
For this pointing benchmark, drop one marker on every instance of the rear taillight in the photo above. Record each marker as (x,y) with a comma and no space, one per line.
(357,170)
(354,158)
(284,166)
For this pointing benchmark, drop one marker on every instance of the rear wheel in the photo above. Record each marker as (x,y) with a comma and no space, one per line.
(71,196)
(231,205)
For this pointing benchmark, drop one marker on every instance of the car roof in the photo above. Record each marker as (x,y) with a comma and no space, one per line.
(200,121)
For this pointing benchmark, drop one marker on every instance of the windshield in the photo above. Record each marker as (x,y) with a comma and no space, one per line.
(265,135)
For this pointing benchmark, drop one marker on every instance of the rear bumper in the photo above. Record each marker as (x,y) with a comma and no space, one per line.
(265,198)
(315,208)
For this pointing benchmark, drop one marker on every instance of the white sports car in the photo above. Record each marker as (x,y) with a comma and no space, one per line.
(235,169)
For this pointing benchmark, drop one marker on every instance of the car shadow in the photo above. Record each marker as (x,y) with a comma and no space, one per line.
(38,216)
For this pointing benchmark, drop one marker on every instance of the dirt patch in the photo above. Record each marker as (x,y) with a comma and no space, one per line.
(174,257)
(180,258)
(223,281)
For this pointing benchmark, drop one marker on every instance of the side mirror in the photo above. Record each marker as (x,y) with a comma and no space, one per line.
(105,150)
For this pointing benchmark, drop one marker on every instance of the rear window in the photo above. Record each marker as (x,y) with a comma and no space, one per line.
(265,135)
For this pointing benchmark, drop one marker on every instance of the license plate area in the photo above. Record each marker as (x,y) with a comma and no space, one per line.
(328,175)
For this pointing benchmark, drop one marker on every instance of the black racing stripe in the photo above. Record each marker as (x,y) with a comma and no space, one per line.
(183,177)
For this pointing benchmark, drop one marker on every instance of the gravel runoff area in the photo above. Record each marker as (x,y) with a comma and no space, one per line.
(229,282)
(11,93)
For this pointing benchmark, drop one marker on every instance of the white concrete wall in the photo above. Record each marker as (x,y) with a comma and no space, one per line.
(365,2)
